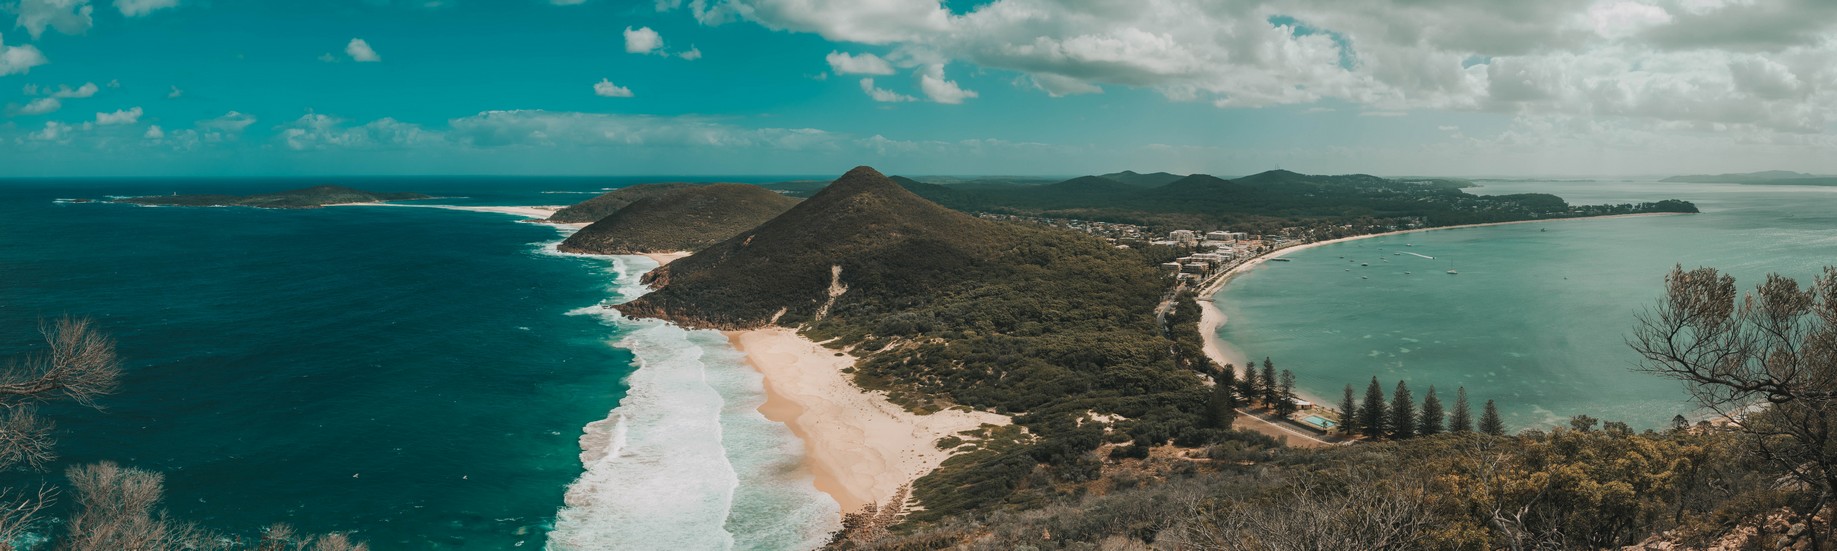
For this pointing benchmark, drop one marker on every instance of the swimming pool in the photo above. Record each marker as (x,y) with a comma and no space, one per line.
(1320,422)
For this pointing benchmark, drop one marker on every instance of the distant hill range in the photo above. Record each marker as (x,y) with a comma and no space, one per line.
(1768,177)
(308,198)
(675,217)
(592,210)
(1153,179)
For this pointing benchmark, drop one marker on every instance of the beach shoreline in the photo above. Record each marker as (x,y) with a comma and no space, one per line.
(535,214)
(860,447)
(1211,318)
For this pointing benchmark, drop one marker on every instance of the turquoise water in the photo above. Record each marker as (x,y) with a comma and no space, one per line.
(421,377)
(1538,316)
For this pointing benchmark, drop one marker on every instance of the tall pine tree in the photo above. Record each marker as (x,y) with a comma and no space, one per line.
(1270,385)
(1223,407)
(1462,420)
(1285,394)
(1489,420)
(1432,415)
(1371,414)
(1348,414)
(1247,388)
(1402,413)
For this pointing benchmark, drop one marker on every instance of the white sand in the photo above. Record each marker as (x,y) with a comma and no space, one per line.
(666,258)
(537,213)
(860,446)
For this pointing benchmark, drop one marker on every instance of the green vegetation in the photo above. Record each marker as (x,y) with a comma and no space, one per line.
(307,198)
(1266,203)
(592,210)
(1565,489)
(683,219)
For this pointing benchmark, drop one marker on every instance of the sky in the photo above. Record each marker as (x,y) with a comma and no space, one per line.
(226,88)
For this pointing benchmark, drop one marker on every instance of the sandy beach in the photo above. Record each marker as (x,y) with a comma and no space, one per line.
(666,258)
(861,447)
(536,213)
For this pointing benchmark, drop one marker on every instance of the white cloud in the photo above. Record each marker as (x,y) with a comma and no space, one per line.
(642,40)
(865,64)
(232,122)
(934,85)
(360,51)
(19,59)
(41,106)
(692,54)
(66,92)
(53,132)
(605,88)
(175,93)
(120,116)
(317,132)
(137,8)
(66,16)
(1680,65)
(154,133)
(881,94)
(549,128)
(1061,86)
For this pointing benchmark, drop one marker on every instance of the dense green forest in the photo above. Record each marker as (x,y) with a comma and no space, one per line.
(312,197)
(689,218)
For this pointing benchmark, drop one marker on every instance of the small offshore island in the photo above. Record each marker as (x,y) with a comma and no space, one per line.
(305,198)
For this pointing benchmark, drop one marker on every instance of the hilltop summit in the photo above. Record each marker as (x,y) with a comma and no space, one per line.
(863,233)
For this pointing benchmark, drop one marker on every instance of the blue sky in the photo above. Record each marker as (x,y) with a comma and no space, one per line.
(189,87)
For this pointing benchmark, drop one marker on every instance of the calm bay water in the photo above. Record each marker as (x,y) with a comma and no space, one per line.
(1538,316)
(419,376)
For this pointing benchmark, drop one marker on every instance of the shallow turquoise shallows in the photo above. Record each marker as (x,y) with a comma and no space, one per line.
(1538,315)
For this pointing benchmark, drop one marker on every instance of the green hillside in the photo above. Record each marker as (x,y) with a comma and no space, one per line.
(592,210)
(682,219)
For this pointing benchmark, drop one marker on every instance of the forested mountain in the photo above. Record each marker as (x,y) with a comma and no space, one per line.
(1132,178)
(1263,202)
(682,219)
(592,210)
(306,198)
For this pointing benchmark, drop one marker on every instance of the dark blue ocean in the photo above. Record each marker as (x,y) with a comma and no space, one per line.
(420,377)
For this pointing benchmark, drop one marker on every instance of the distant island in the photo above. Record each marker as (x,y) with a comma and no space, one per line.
(677,217)
(1763,178)
(307,198)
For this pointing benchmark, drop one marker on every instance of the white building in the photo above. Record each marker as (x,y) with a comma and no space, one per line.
(1184,237)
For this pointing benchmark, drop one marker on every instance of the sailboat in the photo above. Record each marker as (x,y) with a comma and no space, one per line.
(1451,268)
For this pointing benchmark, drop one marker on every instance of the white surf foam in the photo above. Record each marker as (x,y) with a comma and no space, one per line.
(686,461)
